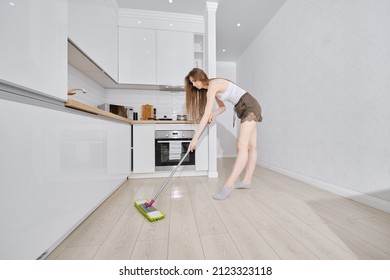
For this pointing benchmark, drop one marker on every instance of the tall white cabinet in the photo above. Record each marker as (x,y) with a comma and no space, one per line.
(33,48)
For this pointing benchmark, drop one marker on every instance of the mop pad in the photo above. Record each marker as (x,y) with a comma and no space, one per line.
(150,213)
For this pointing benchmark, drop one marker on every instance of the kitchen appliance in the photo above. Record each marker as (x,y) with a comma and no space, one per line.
(170,147)
(119,110)
(181,117)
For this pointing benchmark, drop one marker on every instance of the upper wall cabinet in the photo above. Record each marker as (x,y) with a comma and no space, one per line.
(33,49)
(175,56)
(148,56)
(164,59)
(93,28)
(137,56)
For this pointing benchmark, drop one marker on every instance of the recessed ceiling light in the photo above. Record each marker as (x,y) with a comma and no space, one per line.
(223,50)
(170,1)
(238,24)
(171,24)
(139,22)
(12,4)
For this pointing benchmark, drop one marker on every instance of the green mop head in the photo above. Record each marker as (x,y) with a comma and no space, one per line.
(150,213)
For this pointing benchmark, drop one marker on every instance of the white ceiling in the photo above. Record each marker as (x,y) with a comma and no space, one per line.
(253,15)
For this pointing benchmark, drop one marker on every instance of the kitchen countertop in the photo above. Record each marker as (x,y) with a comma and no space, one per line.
(94,110)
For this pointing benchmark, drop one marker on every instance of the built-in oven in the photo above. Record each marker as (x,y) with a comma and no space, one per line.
(170,147)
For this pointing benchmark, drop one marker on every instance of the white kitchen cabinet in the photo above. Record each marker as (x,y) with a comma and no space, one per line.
(56,168)
(143,148)
(137,56)
(33,49)
(202,152)
(154,57)
(175,56)
(93,28)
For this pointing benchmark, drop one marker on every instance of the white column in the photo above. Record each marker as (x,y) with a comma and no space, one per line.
(211,70)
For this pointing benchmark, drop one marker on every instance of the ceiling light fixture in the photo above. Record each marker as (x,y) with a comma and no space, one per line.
(170,1)
(223,50)
(12,4)
(238,24)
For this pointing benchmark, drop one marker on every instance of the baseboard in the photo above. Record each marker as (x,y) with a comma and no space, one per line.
(227,156)
(213,174)
(368,200)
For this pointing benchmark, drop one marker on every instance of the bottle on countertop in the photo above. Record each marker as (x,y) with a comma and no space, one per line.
(130,112)
(154,114)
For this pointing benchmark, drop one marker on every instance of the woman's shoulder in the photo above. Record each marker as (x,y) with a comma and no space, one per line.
(219,82)
(218,85)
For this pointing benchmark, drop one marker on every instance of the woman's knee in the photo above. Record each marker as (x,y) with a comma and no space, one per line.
(242,145)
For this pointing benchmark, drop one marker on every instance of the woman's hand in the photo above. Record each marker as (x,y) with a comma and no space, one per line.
(193,144)
(211,117)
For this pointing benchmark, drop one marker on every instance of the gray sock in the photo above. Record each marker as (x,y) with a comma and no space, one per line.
(223,193)
(241,185)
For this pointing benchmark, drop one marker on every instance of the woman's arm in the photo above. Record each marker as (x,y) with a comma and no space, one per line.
(211,92)
(220,110)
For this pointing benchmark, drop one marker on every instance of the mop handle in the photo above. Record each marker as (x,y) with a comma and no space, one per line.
(148,204)
(169,177)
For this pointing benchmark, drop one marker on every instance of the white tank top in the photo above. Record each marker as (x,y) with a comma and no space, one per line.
(232,93)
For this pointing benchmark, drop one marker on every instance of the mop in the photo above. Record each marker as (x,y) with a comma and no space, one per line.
(146,208)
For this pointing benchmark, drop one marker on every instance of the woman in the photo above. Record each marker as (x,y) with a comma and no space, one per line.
(201,92)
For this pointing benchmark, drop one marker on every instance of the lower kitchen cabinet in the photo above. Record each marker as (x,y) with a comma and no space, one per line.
(56,168)
(202,152)
(143,148)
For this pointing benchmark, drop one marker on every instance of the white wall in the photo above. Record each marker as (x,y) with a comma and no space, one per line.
(321,71)
(226,133)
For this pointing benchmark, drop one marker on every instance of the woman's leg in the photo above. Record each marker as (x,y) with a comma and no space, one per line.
(244,142)
(252,159)
(246,137)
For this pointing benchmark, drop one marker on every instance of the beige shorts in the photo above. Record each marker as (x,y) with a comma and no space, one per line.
(248,109)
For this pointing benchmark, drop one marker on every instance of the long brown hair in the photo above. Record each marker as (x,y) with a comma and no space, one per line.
(196,99)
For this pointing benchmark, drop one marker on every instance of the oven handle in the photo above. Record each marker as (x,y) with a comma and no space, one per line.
(168,141)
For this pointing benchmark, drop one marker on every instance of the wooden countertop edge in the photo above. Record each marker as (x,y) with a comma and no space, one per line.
(90,109)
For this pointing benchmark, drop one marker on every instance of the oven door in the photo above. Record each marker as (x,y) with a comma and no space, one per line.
(169,152)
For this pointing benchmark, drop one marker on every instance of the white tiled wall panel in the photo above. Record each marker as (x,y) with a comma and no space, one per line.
(167,103)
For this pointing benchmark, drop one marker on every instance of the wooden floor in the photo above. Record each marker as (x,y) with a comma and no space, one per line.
(278,218)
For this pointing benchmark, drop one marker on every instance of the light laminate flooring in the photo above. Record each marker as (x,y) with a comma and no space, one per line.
(278,218)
